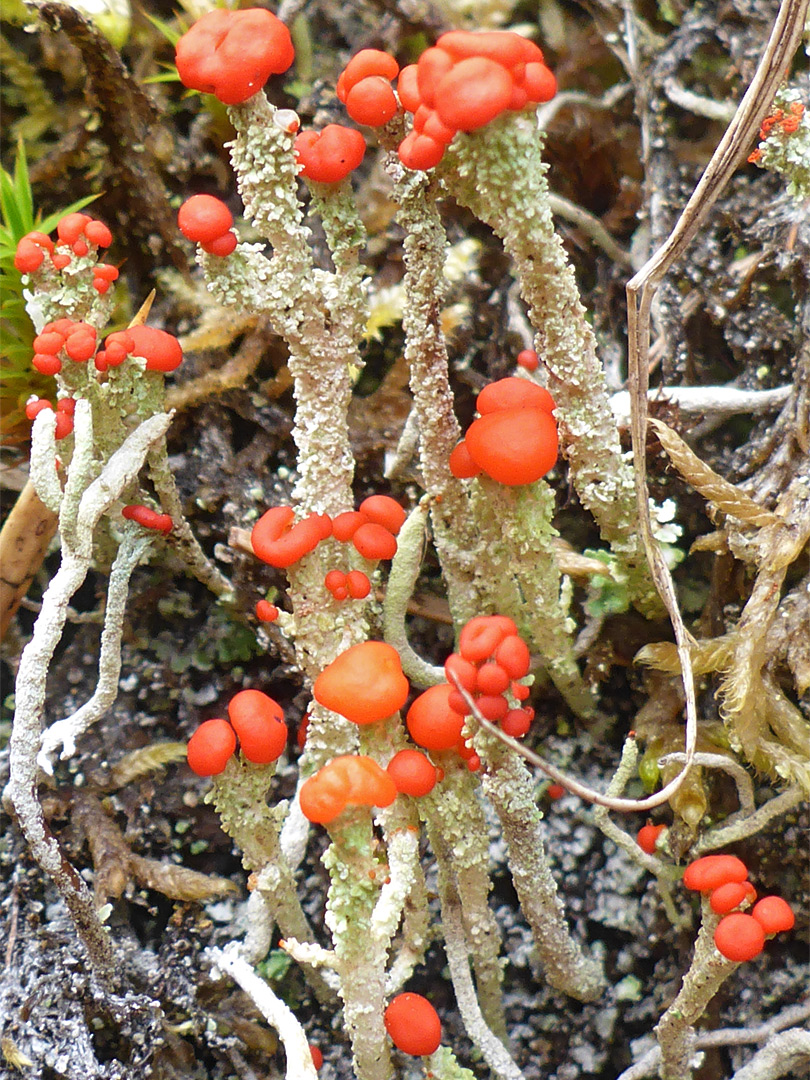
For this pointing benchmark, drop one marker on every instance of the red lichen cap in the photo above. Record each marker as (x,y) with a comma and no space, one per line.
(231,54)
(504,46)
(517,722)
(408,88)
(161,350)
(329,156)
(29,256)
(739,937)
(71,227)
(481,636)
(514,446)
(773,914)
(647,838)
(374,542)
(366,63)
(266,612)
(358,584)
(345,525)
(279,543)
(258,720)
(371,101)
(514,393)
(385,511)
(210,747)
(148,518)
(221,247)
(712,871)
(461,463)
(527,359)
(420,152)
(473,93)
(431,721)
(730,896)
(204,218)
(413,1024)
(365,683)
(413,773)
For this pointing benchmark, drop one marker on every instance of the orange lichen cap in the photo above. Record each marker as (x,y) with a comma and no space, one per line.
(413,1024)
(408,88)
(420,151)
(461,463)
(374,541)
(348,780)
(481,636)
(647,838)
(433,65)
(514,446)
(730,896)
(383,510)
(504,46)
(203,218)
(431,721)
(278,544)
(345,525)
(371,101)
(364,684)
(161,349)
(210,747)
(413,773)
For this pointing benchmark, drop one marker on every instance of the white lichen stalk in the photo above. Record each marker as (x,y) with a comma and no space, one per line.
(83,503)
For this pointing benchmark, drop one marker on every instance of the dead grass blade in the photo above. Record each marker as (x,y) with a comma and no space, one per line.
(725,496)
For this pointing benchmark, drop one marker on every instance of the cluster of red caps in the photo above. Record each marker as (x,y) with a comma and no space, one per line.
(463,83)
(372,529)
(514,440)
(78,235)
(65,407)
(258,722)
(160,349)
(232,54)
(787,125)
(208,222)
(739,936)
(354,585)
(365,684)
(491,659)
(77,342)
(329,155)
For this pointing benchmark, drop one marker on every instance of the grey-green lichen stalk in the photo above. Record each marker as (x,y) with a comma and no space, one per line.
(499,174)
